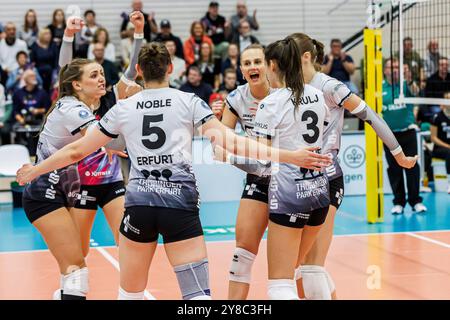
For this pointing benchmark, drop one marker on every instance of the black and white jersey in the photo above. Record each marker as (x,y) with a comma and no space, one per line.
(335,94)
(63,126)
(244,106)
(158,126)
(294,189)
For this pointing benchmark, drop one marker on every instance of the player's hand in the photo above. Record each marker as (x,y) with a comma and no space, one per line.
(137,19)
(25,174)
(111,153)
(309,159)
(220,154)
(217,108)
(406,162)
(73,25)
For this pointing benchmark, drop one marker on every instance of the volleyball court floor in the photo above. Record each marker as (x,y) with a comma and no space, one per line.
(406,257)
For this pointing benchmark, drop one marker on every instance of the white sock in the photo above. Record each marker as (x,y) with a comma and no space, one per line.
(123,295)
(282,289)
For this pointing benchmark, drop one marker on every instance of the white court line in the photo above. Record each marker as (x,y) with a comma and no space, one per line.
(233,240)
(115,263)
(439,243)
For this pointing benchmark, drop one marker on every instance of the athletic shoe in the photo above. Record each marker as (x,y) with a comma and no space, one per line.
(425,189)
(419,207)
(397,209)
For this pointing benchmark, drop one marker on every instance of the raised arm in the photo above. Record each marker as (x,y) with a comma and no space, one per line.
(73,25)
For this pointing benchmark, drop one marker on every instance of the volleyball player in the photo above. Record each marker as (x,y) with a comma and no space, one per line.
(47,199)
(100,173)
(252,217)
(162,196)
(294,116)
(313,280)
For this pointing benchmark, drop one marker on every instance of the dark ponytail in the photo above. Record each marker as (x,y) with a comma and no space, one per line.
(286,54)
(307,44)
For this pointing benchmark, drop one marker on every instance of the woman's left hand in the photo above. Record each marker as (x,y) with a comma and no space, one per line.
(111,153)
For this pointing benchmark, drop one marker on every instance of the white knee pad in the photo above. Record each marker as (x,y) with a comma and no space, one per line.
(241,266)
(57,293)
(282,289)
(124,295)
(76,283)
(315,283)
(331,284)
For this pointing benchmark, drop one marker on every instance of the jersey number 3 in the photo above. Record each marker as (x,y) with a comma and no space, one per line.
(148,130)
(313,119)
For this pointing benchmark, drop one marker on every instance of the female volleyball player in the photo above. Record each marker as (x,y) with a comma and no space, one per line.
(162,197)
(100,173)
(294,116)
(317,283)
(47,199)
(252,217)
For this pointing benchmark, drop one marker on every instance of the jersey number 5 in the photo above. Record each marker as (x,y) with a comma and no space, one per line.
(148,130)
(308,116)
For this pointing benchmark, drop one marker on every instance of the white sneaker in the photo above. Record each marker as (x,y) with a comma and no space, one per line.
(419,207)
(397,209)
(57,295)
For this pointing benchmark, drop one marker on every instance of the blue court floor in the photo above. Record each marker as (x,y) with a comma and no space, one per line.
(218,218)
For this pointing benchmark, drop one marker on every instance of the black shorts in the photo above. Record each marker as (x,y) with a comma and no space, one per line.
(336,192)
(99,195)
(256,188)
(299,220)
(51,191)
(145,223)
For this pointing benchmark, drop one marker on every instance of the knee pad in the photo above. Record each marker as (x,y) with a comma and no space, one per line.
(298,273)
(241,266)
(124,295)
(331,284)
(76,285)
(193,279)
(282,289)
(315,283)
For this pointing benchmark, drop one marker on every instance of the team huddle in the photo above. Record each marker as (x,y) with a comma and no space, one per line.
(293,119)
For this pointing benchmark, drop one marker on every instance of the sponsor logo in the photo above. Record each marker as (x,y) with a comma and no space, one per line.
(83,114)
(120,190)
(261,125)
(261,106)
(128,226)
(354,156)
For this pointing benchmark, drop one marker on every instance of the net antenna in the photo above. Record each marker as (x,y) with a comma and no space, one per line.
(441,23)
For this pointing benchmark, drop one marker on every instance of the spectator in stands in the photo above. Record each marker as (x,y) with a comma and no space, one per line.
(209,67)
(30,29)
(9,47)
(5,119)
(400,119)
(15,79)
(86,36)
(439,82)
(234,62)
(413,59)
(431,61)
(440,136)
(218,29)
(2,31)
(102,36)
(177,76)
(338,64)
(242,15)
(110,69)
(195,84)
(244,38)
(166,34)
(30,105)
(57,27)
(44,54)
(229,81)
(413,86)
(192,45)
(216,102)
(150,22)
